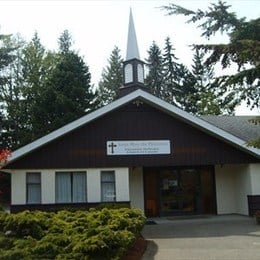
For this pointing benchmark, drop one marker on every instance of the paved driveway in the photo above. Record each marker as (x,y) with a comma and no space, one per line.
(224,237)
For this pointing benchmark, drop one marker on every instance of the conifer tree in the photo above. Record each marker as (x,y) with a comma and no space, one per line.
(111,79)
(35,70)
(67,93)
(186,97)
(154,79)
(10,94)
(179,82)
(242,50)
(172,74)
(27,75)
(206,100)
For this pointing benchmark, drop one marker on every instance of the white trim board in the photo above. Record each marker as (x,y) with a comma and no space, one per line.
(149,99)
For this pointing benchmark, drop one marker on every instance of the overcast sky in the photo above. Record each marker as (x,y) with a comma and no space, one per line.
(97,26)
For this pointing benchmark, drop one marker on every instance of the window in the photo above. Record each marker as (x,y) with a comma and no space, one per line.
(33,187)
(108,191)
(128,73)
(140,73)
(71,187)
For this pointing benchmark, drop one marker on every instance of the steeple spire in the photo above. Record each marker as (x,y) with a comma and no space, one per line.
(132,51)
(133,67)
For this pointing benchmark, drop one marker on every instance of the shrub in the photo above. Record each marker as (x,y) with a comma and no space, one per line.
(3,216)
(6,242)
(26,223)
(97,234)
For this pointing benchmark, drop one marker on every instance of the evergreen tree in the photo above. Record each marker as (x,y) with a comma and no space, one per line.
(172,74)
(37,64)
(67,93)
(242,50)
(111,79)
(65,42)
(167,78)
(206,101)
(10,94)
(154,79)
(186,97)
(27,76)
(179,83)
(6,56)
(42,91)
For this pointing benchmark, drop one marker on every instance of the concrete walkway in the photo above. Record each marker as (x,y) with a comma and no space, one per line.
(225,237)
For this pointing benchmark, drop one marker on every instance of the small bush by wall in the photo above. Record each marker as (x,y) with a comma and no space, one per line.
(95,234)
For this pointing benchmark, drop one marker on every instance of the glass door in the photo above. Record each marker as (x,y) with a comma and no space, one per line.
(180,192)
(191,194)
(170,191)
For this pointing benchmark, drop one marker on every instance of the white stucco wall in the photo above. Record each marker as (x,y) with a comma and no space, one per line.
(93,185)
(243,188)
(122,184)
(18,185)
(233,184)
(48,186)
(255,178)
(225,189)
(136,188)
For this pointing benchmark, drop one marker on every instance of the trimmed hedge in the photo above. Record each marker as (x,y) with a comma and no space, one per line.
(94,234)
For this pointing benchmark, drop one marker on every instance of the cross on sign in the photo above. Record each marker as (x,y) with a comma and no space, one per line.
(112,146)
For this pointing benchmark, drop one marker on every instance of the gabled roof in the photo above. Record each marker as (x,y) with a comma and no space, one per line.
(151,100)
(239,126)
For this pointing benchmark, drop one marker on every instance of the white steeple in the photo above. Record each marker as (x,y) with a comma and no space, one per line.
(132,51)
(133,67)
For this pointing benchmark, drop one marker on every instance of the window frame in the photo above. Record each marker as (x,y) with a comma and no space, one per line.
(71,173)
(33,184)
(107,182)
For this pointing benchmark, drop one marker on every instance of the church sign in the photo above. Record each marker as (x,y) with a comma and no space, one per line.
(138,147)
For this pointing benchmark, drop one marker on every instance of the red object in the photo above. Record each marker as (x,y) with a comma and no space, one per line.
(4,154)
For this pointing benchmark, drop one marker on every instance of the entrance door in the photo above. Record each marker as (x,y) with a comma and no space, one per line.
(151,193)
(179,191)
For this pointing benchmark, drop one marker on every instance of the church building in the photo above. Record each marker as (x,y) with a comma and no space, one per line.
(141,151)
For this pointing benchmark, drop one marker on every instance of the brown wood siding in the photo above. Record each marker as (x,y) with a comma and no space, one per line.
(151,190)
(253,204)
(86,146)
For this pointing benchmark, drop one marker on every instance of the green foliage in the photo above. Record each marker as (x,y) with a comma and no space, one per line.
(194,91)
(154,80)
(66,96)
(242,50)
(166,76)
(255,143)
(209,98)
(6,55)
(65,42)
(96,234)
(41,86)
(26,224)
(8,49)
(111,79)
(217,18)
